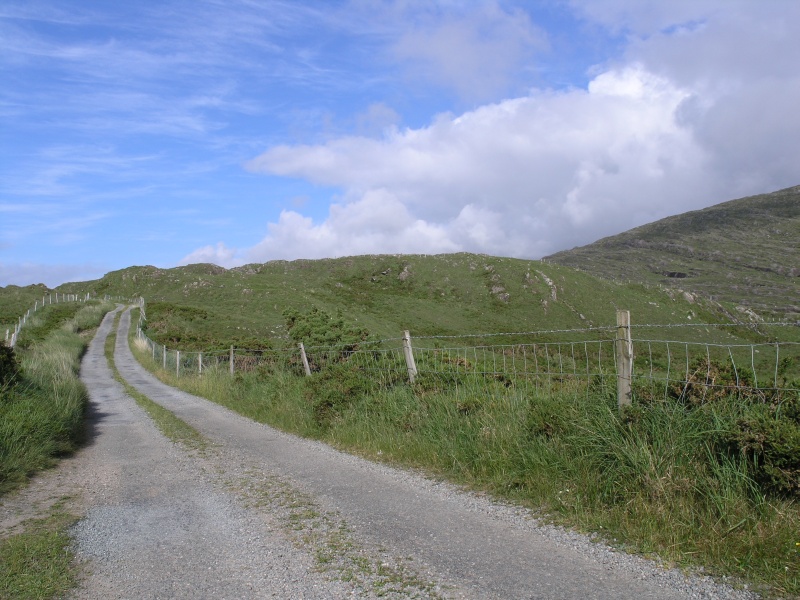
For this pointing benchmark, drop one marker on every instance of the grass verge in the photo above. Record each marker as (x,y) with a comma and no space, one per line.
(38,563)
(42,408)
(42,418)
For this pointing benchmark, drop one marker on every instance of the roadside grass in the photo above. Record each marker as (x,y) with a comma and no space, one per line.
(174,428)
(42,410)
(42,418)
(38,563)
(658,481)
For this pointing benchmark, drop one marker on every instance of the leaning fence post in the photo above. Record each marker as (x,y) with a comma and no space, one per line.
(409,354)
(305,360)
(231,361)
(624,350)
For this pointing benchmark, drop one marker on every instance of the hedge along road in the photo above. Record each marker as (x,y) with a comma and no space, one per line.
(266,514)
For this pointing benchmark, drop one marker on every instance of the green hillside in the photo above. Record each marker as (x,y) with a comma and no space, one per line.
(746,252)
(15,300)
(204,306)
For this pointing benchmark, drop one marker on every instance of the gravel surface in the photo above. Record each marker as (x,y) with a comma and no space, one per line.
(265,514)
(157,526)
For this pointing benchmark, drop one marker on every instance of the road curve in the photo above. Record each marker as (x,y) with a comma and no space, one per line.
(468,547)
(157,527)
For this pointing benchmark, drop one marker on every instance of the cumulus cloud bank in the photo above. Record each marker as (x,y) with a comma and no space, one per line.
(650,136)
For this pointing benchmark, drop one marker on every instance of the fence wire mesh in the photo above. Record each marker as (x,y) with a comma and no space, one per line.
(578,361)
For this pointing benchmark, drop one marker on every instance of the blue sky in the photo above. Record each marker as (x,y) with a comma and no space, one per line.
(239,131)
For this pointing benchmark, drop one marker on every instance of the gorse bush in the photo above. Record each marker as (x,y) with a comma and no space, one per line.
(194,328)
(335,388)
(711,381)
(318,328)
(768,437)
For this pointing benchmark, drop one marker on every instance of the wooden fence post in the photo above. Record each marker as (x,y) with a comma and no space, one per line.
(624,351)
(200,362)
(177,363)
(164,357)
(409,354)
(305,360)
(231,361)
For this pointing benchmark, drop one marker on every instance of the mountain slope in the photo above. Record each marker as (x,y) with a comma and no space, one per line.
(744,251)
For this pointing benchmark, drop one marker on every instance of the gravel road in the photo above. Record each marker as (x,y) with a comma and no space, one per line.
(263,514)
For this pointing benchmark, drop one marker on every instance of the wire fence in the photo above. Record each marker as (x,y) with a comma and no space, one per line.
(13,332)
(549,361)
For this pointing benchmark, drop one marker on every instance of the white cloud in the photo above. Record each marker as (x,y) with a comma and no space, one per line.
(218,254)
(522,177)
(694,112)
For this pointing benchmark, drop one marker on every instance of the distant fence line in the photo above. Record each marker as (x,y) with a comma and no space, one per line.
(609,360)
(12,335)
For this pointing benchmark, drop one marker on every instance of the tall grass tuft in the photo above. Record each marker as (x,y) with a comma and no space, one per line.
(42,410)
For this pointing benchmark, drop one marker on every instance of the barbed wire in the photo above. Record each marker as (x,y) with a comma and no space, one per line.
(714,345)
(740,324)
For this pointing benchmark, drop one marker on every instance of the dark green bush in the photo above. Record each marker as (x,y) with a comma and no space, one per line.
(9,365)
(318,328)
(711,381)
(769,437)
(335,388)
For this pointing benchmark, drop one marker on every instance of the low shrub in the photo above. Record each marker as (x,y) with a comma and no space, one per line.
(768,436)
(335,388)
(9,366)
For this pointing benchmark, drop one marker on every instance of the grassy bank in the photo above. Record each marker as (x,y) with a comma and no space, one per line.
(42,407)
(664,480)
